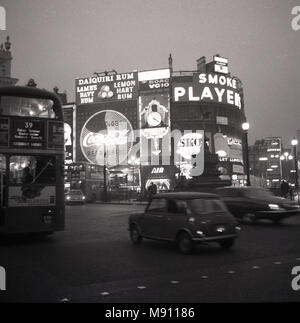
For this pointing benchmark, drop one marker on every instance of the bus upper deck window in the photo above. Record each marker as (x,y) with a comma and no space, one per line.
(27,107)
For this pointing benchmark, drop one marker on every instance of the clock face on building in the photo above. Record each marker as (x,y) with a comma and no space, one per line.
(154,119)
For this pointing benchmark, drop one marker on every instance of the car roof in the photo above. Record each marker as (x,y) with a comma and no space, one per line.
(186,195)
(241,188)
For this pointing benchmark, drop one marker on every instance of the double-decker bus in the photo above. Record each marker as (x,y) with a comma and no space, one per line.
(87,177)
(31,161)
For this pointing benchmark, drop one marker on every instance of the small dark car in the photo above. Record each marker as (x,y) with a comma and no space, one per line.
(257,203)
(185,218)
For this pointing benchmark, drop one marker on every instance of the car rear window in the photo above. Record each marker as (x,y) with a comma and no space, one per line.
(176,206)
(215,206)
(157,205)
(75,192)
(196,206)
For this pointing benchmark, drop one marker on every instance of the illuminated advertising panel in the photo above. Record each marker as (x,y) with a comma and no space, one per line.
(154,115)
(189,153)
(209,88)
(221,65)
(154,124)
(106,138)
(114,87)
(154,111)
(55,135)
(274,169)
(228,147)
(104,132)
(68,113)
(158,175)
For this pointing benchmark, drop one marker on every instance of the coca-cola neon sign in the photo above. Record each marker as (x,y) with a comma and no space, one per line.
(106,138)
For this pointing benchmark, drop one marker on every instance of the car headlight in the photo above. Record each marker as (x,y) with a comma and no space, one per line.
(68,197)
(274,207)
(83,197)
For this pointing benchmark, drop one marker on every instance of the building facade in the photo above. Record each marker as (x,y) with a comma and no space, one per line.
(5,64)
(151,126)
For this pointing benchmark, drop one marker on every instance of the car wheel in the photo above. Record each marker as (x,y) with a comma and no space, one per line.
(135,236)
(227,243)
(185,243)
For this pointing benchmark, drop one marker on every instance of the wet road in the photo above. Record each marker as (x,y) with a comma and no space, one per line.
(94,261)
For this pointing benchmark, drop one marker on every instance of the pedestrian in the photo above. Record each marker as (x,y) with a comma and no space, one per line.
(27,177)
(291,192)
(284,188)
(152,190)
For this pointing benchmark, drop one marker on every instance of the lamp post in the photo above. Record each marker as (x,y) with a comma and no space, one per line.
(286,157)
(104,175)
(245,127)
(294,143)
(134,161)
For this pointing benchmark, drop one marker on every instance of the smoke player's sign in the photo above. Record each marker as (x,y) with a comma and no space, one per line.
(209,88)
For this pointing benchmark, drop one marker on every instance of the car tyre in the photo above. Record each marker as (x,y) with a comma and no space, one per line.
(135,236)
(185,243)
(227,244)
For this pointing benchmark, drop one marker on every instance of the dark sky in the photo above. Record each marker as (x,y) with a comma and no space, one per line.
(55,41)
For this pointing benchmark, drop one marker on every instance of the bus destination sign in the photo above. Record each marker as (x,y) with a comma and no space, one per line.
(27,133)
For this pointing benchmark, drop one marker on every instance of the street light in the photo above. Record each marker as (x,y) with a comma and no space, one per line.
(104,197)
(294,143)
(285,158)
(134,161)
(245,127)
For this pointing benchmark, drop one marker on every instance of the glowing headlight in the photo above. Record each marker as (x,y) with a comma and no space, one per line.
(274,206)
(83,197)
(68,197)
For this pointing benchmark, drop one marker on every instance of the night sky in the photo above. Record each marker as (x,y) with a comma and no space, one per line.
(55,41)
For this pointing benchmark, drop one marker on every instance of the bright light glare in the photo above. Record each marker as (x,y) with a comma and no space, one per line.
(245,126)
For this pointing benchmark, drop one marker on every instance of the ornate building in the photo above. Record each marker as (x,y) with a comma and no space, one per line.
(5,64)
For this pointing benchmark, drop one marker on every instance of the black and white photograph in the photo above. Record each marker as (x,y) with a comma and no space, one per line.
(149,154)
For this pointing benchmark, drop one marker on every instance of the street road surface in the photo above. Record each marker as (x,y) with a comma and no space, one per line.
(94,261)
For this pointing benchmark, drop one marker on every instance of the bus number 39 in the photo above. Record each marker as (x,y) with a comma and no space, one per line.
(28,125)
(172,312)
